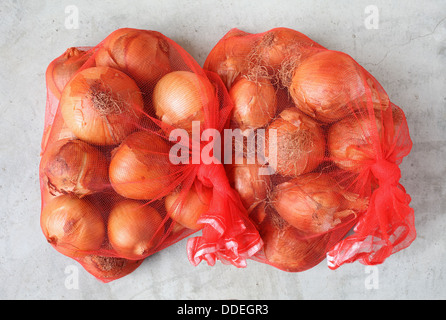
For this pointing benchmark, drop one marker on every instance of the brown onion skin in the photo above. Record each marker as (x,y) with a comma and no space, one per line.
(74,227)
(300,143)
(141,54)
(246,178)
(229,56)
(61,70)
(134,229)
(73,166)
(279,44)
(108,269)
(259,214)
(181,97)
(285,249)
(315,204)
(350,143)
(49,134)
(140,167)
(353,141)
(101,105)
(255,103)
(326,85)
(189,206)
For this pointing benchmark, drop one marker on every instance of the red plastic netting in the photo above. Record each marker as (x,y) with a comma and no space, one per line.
(124,121)
(332,142)
(278,150)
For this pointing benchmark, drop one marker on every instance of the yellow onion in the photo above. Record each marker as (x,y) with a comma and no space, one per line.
(141,54)
(230,56)
(134,229)
(73,166)
(285,249)
(315,204)
(107,269)
(181,97)
(101,105)
(255,103)
(326,86)
(73,226)
(61,70)
(140,167)
(247,179)
(280,44)
(354,141)
(259,213)
(186,207)
(53,133)
(300,143)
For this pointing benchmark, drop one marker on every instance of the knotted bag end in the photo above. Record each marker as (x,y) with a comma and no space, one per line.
(386,228)
(228,235)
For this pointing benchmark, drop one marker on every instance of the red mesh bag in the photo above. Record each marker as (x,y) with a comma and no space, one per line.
(318,166)
(121,174)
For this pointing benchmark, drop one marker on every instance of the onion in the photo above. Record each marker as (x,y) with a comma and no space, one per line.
(73,166)
(326,85)
(300,143)
(141,54)
(259,214)
(50,133)
(73,226)
(278,45)
(285,249)
(353,141)
(255,103)
(108,269)
(140,166)
(101,105)
(186,207)
(134,229)
(229,57)
(350,142)
(180,97)
(315,204)
(247,180)
(61,70)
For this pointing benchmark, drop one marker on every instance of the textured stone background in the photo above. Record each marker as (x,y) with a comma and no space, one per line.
(407,54)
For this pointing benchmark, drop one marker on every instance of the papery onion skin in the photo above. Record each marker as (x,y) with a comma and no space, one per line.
(315,204)
(61,70)
(141,54)
(48,134)
(180,97)
(108,269)
(285,249)
(229,58)
(352,141)
(326,85)
(73,226)
(300,143)
(101,105)
(280,44)
(247,179)
(259,214)
(73,166)
(140,167)
(187,207)
(255,103)
(134,229)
